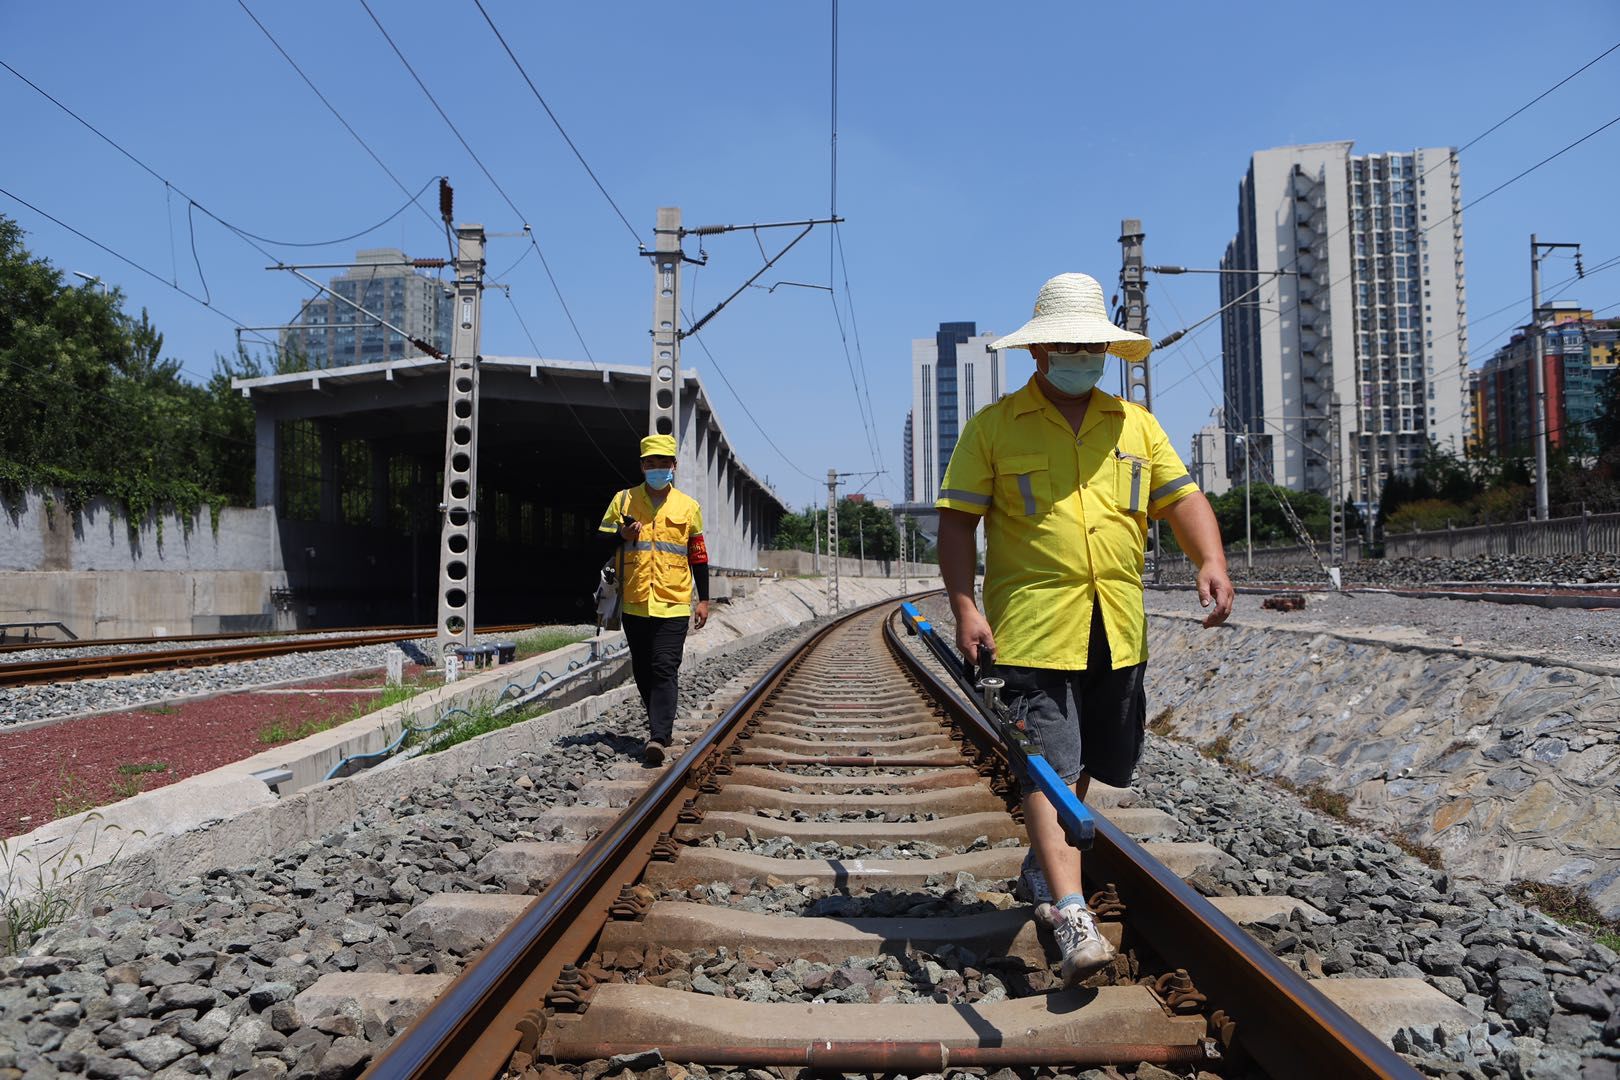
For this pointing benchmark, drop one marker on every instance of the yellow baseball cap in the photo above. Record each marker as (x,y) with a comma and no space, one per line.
(658,446)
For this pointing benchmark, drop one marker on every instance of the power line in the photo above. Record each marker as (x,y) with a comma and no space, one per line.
(558,123)
(116,145)
(558,382)
(251,239)
(131,262)
(333,110)
(1538,97)
(488,175)
(746,410)
(1294,263)
(835,247)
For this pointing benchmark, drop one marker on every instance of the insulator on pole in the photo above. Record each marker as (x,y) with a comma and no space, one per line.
(447,200)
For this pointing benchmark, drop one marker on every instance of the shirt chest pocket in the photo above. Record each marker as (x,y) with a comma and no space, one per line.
(1024,484)
(1131,474)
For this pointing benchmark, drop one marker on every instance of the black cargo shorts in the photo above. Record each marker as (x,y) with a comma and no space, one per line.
(1092,721)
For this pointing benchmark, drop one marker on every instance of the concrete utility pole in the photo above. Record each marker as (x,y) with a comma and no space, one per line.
(664,391)
(1134,312)
(458,546)
(1538,382)
(900,519)
(832,541)
(1335,496)
(1538,372)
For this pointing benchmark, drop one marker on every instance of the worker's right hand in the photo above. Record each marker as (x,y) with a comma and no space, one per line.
(972,633)
(630,529)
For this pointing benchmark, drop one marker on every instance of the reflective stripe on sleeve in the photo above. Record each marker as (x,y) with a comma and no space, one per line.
(1184,480)
(958,495)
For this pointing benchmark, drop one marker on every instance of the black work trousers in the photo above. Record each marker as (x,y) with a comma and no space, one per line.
(655,659)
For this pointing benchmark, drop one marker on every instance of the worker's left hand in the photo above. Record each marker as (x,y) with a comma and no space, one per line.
(1214,587)
(700,614)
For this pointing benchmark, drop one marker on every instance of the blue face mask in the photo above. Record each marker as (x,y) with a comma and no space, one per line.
(661,478)
(1075,375)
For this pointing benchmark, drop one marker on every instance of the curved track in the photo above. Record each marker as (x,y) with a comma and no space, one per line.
(860,741)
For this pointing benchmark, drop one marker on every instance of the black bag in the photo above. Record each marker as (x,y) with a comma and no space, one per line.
(610,587)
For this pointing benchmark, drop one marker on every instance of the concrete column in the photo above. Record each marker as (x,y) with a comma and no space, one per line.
(266,460)
(331,472)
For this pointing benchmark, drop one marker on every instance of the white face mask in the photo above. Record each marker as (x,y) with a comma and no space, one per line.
(1075,374)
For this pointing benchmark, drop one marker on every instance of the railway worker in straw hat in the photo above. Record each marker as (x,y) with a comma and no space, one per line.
(1066,477)
(660,539)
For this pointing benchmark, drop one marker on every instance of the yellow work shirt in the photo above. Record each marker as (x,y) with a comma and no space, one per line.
(655,575)
(1066,521)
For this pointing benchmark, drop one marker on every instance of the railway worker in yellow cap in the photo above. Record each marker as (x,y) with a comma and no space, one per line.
(1066,477)
(659,533)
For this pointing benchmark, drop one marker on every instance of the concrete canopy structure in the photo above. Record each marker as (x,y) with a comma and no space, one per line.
(351,460)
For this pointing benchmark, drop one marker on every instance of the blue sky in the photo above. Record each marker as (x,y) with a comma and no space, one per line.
(981,149)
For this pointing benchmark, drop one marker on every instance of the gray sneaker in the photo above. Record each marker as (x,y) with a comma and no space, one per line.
(1031,887)
(1081,944)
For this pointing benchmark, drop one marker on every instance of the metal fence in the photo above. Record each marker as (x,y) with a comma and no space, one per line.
(1557,536)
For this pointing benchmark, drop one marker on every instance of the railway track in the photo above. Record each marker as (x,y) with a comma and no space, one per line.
(253,635)
(669,930)
(65,669)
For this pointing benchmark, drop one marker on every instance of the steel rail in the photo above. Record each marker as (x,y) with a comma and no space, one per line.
(247,635)
(1272,1013)
(25,672)
(494,1005)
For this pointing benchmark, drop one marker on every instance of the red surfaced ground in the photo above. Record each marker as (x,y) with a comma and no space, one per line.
(66,768)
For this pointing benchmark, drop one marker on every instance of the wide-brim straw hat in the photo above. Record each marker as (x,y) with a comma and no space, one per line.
(1069,309)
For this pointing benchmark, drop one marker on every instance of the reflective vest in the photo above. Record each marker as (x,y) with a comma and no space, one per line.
(654,568)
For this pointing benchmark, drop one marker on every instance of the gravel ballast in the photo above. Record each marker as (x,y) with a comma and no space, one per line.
(199,979)
(1548,996)
(45,701)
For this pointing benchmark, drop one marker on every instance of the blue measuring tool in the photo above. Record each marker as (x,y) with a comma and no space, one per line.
(1078,823)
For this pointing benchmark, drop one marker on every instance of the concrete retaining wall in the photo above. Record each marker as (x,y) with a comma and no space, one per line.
(86,571)
(1507,767)
(227,817)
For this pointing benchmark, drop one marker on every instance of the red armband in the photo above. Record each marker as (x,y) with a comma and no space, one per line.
(697,553)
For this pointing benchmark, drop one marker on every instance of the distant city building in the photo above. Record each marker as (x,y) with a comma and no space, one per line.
(333,334)
(954,374)
(1578,358)
(905,449)
(1370,306)
(1209,457)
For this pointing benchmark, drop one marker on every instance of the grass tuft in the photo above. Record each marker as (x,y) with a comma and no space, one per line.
(279,732)
(1570,906)
(543,641)
(137,768)
(73,796)
(1165,722)
(43,885)
(479,718)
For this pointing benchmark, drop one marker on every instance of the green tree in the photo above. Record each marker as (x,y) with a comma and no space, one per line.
(89,405)
(1270,524)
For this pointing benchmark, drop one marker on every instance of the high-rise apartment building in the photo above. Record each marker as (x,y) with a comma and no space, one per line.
(1208,459)
(1577,360)
(333,334)
(905,449)
(1351,290)
(954,374)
